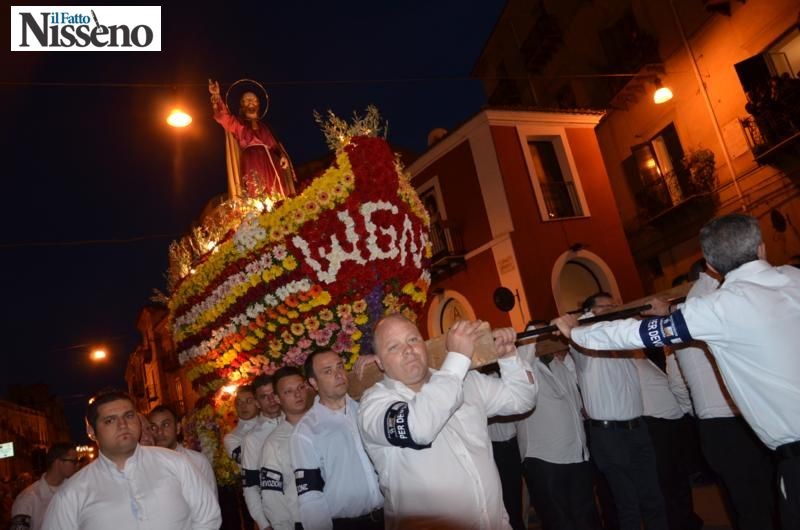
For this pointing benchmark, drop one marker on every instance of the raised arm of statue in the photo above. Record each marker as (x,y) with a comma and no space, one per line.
(258,166)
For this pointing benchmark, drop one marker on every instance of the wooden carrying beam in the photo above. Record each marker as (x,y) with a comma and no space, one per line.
(484,349)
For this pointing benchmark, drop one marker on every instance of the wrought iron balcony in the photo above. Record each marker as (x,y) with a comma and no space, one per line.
(447,249)
(560,199)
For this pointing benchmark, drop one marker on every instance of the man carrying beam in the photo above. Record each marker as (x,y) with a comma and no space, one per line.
(751,324)
(426,430)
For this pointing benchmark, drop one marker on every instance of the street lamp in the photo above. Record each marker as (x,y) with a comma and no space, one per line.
(178,119)
(662,93)
(98,355)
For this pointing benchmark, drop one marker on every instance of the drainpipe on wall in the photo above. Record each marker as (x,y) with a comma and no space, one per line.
(707,100)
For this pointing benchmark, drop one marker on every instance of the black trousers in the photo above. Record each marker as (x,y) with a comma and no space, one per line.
(672,462)
(507,460)
(370,521)
(235,515)
(627,460)
(789,488)
(745,468)
(561,494)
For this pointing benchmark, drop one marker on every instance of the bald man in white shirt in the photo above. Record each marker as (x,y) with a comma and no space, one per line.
(426,430)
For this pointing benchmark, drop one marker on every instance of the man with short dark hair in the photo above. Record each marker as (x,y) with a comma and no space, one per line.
(166,428)
(278,487)
(248,412)
(336,483)
(27,512)
(618,438)
(129,487)
(750,325)
(270,417)
(426,430)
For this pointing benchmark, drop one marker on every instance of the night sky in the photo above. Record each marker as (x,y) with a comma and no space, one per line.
(96,185)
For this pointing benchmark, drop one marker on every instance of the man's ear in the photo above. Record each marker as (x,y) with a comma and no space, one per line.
(379,363)
(90,432)
(313,382)
(761,252)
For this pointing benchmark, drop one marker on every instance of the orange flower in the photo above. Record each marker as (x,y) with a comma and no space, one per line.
(291,301)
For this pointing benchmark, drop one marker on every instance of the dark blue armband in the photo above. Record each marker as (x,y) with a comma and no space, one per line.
(664,331)
(271,479)
(308,480)
(250,477)
(395,427)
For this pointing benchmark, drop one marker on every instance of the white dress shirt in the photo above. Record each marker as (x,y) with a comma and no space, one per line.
(202,465)
(234,439)
(431,448)
(278,488)
(751,324)
(158,489)
(251,458)
(657,398)
(609,386)
(31,503)
(677,384)
(709,395)
(554,431)
(334,476)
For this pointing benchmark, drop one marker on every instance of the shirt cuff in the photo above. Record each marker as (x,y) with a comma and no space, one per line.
(456,363)
(511,362)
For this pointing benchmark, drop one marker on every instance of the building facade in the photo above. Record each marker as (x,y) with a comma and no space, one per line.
(726,141)
(28,429)
(520,200)
(153,373)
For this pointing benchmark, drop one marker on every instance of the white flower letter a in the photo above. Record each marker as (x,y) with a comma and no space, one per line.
(336,255)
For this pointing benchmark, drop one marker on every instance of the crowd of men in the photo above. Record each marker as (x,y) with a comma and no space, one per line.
(602,433)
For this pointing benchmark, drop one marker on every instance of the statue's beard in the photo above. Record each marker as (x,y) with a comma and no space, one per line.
(251,113)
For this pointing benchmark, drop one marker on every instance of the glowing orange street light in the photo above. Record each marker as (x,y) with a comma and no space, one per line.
(98,355)
(179,119)
(662,93)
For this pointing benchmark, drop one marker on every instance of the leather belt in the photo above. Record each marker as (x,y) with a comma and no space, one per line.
(616,424)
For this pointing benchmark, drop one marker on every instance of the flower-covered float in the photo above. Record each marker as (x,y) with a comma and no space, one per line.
(259,286)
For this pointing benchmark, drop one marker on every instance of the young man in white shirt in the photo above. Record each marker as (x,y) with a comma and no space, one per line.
(27,512)
(270,417)
(663,416)
(750,325)
(234,510)
(166,428)
(278,487)
(130,487)
(426,430)
(618,437)
(552,443)
(336,483)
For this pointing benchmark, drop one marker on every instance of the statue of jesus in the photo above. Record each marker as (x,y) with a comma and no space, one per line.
(258,165)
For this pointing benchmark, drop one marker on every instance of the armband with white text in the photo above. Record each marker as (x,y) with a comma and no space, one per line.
(664,331)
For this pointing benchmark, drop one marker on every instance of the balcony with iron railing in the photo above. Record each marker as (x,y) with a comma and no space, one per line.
(447,249)
(560,199)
